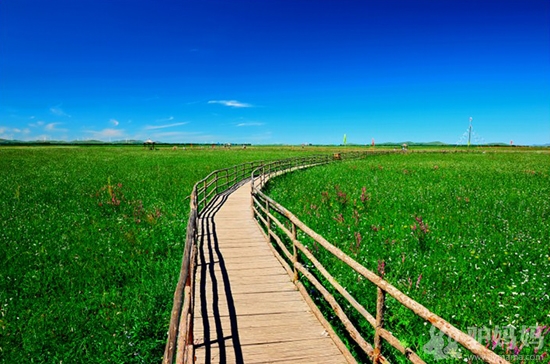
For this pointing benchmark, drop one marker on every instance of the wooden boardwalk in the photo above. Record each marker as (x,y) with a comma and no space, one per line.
(247,310)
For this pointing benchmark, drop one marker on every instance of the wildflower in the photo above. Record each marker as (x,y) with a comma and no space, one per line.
(341,196)
(356,216)
(418,280)
(364,196)
(422,225)
(358,239)
(494,341)
(381,268)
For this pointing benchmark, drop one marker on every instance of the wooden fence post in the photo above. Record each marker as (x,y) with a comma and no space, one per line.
(380,308)
(226,178)
(268,221)
(205,194)
(295,253)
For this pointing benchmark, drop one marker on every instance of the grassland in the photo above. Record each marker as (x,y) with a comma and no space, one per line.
(91,239)
(465,234)
(91,242)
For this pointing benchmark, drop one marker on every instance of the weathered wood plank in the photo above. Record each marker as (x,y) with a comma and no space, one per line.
(246,307)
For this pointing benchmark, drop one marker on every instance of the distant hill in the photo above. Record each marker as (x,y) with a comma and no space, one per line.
(409,143)
(160,143)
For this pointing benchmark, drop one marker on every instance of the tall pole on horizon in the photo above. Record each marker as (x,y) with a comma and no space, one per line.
(470,132)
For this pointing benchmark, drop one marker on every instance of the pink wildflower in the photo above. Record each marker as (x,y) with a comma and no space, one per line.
(418,280)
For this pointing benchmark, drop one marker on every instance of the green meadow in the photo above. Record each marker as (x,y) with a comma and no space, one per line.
(91,241)
(92,238)
(465,234)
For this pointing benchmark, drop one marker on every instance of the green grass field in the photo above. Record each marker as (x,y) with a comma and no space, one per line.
(91,239)
(465,234)
(91,244)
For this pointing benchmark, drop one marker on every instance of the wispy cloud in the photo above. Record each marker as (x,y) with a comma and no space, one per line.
(58,111)
(53,127)
(37,124)
(254,123)
(153,127)
(12,133)
(164,120)
(115,122)
(177,137)
(106,133)
(172,134)
(230,103)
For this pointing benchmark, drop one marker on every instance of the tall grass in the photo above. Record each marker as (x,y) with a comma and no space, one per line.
(91,240)
(467,235)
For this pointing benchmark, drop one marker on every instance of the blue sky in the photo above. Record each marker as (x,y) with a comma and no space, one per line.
(264,71)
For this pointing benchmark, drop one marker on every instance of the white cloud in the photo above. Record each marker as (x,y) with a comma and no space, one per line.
(11,133)
(250,124)
(153,127)
(164,120)
(106,133)
(57,111)
(115,122)
(53,127)
(172,134)
(230,103)
(37,124)
(50,126)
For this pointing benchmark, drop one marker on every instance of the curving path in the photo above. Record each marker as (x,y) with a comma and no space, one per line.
(246,308)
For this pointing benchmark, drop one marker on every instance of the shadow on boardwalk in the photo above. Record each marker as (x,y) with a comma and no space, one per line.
(209,255)
(246,307)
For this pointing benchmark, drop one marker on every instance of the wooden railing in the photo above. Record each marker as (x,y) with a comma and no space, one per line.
(264,211)
(179,344)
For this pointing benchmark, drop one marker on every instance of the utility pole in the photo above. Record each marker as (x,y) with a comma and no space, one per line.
(470,132)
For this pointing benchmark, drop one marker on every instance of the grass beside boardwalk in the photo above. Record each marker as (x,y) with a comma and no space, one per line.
(91,240)
(465,234)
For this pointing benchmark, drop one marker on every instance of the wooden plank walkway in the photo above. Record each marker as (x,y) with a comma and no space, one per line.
(247,310)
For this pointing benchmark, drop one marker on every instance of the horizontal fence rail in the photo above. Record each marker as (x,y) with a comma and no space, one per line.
(179,343)
(268,214)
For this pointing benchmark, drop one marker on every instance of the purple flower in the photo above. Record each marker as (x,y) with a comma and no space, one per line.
(418,280)
(381,268)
